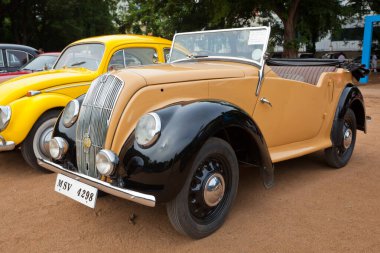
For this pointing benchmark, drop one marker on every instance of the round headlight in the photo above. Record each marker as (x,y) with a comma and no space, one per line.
(148,129)
(5,116)
(58,147)
(106,162)
(71,113)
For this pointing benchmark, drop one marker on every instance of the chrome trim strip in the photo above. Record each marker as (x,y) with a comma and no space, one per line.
(93,121)
(6,145)
(61,87)
(141,198)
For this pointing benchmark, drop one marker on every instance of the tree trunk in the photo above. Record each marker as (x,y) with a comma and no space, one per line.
(290,43)
(290,20)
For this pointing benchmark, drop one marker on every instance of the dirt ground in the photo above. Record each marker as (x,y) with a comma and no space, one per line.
(312,208)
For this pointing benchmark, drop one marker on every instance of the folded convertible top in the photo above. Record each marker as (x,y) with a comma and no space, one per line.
(302,62)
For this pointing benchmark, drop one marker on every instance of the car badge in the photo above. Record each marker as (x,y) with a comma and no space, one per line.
(87,143)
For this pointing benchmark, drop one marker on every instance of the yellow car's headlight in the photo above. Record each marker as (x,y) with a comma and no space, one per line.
(5,116)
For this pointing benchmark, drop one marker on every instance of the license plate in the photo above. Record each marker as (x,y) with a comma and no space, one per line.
(76,190)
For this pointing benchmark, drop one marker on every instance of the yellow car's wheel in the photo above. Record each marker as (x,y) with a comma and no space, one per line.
(36,143)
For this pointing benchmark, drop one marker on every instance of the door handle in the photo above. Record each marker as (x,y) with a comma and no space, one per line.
(265,101)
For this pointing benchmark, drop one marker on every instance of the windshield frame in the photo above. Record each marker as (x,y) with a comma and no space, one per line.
(79,44)
(235,59)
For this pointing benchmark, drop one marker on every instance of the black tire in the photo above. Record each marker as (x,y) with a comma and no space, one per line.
(31,147)
(188,212)
(339,155)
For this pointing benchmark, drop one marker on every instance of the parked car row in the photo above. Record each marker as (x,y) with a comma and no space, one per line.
(175,133)
(42,62)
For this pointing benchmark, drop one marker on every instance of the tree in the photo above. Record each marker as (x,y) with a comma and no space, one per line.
(52,24)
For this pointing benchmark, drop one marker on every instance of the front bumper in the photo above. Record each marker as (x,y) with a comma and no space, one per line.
(6,145)
(141,198)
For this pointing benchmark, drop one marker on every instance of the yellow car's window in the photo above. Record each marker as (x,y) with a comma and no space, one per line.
(81,56)
(132,57)
(167,54)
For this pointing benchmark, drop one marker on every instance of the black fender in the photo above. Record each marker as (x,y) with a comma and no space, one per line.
(352,98)
(162,169)
(69,134)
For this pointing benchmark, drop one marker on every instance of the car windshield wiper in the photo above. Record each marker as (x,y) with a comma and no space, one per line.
(77,63)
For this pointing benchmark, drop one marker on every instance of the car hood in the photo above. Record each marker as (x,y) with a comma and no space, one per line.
(18,87)
(185,72)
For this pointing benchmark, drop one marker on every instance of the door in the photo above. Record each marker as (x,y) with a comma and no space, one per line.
(290,111)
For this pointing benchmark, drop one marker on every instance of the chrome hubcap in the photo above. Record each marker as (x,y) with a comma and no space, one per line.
(42,138)
(347,138)
(44,141)
(214,188)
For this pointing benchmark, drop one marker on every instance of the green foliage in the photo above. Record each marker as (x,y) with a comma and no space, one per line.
(165,17)
(52,24)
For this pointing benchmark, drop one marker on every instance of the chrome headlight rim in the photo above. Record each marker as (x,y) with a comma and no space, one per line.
(8,113)
(112,161)
(60,144)
(155,132)
(72,118)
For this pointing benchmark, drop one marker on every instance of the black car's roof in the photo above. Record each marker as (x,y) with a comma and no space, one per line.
(19,47)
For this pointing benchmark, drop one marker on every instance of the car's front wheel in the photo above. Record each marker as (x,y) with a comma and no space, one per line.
(202,205)
(36,143)
(339,155)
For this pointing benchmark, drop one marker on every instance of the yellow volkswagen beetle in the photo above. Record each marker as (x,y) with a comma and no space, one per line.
(30,105)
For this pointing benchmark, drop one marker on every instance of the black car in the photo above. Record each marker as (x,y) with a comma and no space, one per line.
(13,56)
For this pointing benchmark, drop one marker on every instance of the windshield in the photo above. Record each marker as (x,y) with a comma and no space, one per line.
(81,56)
(42,62)
(248,44)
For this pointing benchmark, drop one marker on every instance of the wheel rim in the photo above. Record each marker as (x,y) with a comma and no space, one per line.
(347,138)
(214,188)
(42,138)
(209,189)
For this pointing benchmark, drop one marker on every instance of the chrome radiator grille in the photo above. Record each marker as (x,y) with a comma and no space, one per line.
(93,121)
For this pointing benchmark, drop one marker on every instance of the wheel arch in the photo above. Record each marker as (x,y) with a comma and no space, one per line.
(351,98)
(185,128)
(360,115)
(27,110)
(245,146)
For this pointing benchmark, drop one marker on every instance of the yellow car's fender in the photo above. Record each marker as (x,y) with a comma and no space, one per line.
(27,110)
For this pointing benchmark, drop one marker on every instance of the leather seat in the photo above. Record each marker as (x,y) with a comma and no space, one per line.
(307,74)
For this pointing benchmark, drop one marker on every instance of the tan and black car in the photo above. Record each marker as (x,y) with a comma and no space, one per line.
(175,133)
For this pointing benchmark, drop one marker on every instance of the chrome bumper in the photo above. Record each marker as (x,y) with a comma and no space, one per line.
(6,145)
(141,198)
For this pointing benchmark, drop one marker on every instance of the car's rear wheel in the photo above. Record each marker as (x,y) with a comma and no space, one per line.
(36,143)
(202,205)
(339,155)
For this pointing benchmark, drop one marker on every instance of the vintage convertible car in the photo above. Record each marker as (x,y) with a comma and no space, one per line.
(30,104)
(176,133)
